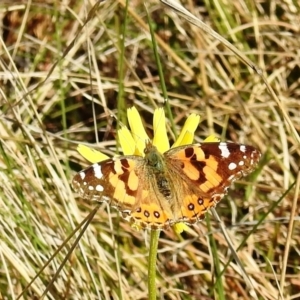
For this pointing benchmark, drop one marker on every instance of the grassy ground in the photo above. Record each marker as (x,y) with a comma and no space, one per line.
(58,90)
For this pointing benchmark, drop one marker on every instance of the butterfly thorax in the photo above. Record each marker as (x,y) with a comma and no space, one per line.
(157,168)
(154,159)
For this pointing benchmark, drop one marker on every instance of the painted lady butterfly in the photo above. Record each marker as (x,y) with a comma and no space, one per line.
(159,190)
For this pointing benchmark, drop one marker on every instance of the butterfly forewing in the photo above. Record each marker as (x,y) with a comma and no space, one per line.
(103,181)
(212,167)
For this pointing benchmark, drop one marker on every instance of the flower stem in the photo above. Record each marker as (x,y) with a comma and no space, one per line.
(152,264)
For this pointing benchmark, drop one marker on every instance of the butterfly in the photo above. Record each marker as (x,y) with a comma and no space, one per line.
(159,190)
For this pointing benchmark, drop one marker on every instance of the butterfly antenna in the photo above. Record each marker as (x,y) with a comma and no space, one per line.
(87,220)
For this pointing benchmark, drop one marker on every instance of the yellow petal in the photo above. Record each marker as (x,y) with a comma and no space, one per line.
(211,138)
(187,133)
(126,141)
(180,227)
(136,226)
(188,138)
(90,154)
(137,128)
(160,139)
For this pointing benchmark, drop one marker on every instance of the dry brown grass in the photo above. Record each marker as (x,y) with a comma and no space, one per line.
(46,111)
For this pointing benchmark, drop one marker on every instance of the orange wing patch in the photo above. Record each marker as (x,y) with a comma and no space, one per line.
(212,167)
(152,216)
(113,179)
(193,208)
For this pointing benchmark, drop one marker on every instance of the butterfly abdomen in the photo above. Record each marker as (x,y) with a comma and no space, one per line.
(157,167)
(163,186)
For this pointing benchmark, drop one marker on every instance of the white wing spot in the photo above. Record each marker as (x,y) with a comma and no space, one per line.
(231,177)
(224,150)
(232,166)
(91,188)
(82,175)
(105,198)
(99,188)
(241,163)
(84,183)
(97,171)
(243,148)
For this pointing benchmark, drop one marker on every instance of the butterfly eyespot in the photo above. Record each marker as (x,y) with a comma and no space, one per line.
(191,206)
(156,214)
(139,210)
(146,214)
(200,201)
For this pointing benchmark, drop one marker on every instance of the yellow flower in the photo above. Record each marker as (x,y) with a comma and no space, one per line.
(133,141)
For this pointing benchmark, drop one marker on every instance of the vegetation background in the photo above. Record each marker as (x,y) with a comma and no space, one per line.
(63,83)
